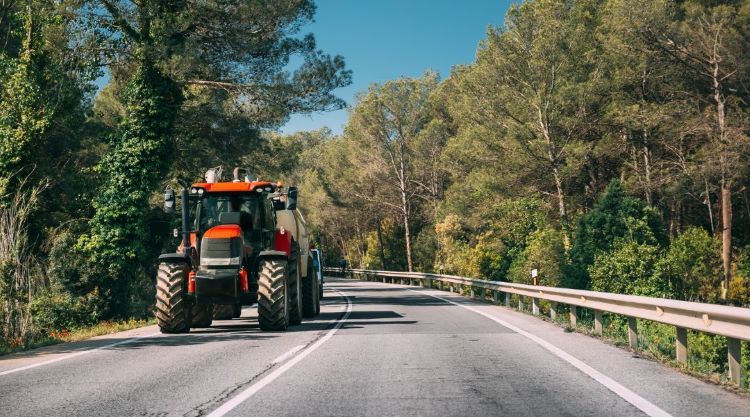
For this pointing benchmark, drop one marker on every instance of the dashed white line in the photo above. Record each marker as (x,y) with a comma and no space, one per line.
(252,389)
(73,355)
(614,386)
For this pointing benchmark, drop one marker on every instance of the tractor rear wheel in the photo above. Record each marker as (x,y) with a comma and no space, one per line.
(295,293)
(310,293)
(201,315)
(273,296)
(172,308)
(223,312)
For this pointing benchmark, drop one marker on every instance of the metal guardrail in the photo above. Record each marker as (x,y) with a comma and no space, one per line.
(730,322)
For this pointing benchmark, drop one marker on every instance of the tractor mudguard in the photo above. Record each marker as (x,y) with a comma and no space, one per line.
(174,257)
(273,254)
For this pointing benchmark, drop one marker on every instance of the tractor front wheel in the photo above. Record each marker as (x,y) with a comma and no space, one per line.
(273,296)
(172,307)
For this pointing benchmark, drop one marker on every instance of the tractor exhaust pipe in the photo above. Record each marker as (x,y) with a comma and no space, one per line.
(185,217)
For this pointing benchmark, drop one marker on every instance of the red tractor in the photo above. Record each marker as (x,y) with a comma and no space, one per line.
(242,241)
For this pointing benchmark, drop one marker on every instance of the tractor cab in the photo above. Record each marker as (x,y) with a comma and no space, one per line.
(234,222)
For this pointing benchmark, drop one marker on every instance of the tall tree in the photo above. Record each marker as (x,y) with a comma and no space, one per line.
(531,94)
(384,129)
(709,41)
(166,48)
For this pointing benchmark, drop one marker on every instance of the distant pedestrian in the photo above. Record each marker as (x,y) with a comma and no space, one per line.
(342,265)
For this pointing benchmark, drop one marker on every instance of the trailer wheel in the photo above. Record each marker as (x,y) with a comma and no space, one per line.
(223,312)
(202,315)
(310,293)
(172,308)
(295,293)
(273,296)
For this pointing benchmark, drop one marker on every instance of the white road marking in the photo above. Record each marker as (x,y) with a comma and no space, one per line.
(289,354)
(614,386)
(252,389)
(73,355)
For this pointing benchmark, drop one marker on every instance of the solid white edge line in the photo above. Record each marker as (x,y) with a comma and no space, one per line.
(73,355)
(614,386)
(288,354)
(252,389)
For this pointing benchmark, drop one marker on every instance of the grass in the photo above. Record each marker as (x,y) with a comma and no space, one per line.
(74,335)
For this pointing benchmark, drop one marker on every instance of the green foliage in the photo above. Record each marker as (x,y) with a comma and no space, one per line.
(629,268)
(613,217)
(55,312)
(140,156)
(545,252)
(692,264)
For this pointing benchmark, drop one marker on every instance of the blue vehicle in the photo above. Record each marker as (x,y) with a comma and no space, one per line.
(318,268)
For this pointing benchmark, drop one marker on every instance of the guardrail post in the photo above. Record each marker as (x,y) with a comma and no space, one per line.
(734,351)
(632,333)
(573,316)
(507,299)
(553,310)
(495,297)
(472,292)
(520,303)
(598,322)
(534,306)
(427,283)
(682,344)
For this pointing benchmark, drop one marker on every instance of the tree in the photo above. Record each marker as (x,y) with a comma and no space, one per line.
(530,96)
(709,41)
(162,52)
(384,128)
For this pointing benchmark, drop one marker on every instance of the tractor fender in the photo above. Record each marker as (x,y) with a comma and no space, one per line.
(175,258)
(273,254)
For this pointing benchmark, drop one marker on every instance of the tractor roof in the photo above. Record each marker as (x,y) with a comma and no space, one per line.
(228,187)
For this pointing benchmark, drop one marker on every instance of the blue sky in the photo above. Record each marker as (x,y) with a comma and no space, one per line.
(386,39)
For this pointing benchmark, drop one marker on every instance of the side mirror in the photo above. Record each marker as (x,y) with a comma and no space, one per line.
(291,198)
(169,201)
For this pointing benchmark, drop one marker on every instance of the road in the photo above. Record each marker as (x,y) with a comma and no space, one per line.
(375,350)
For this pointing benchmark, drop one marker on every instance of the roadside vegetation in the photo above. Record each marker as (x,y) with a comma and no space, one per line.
(605,143)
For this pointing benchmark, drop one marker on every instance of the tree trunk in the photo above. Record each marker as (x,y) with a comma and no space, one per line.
(407,231)
(563,209)
(381,250)
(726,236)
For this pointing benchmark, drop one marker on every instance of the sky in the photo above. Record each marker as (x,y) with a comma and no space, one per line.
(382,40)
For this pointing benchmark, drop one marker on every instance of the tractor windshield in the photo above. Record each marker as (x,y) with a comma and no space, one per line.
(212,205)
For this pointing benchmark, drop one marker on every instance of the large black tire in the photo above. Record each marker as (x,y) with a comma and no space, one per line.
(310,292)
(295,293)
(201,315)
(172,307)
(236,310)
(273,296)
(223,312)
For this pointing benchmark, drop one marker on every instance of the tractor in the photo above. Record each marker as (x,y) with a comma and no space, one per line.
(242,241)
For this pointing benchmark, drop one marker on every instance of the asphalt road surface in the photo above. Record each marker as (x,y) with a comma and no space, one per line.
(375,350)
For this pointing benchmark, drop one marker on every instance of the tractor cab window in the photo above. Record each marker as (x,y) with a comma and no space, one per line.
(213,205)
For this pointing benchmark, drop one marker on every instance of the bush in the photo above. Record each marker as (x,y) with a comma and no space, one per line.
(614,216)
(630,268)
(544,251)
(693,266)
(54,312)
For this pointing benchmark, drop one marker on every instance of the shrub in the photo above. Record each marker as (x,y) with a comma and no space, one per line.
(54,312)
(692,264)
(544,251)
(630,268)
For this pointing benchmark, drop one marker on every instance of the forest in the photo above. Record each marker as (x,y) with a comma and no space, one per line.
(605,143)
